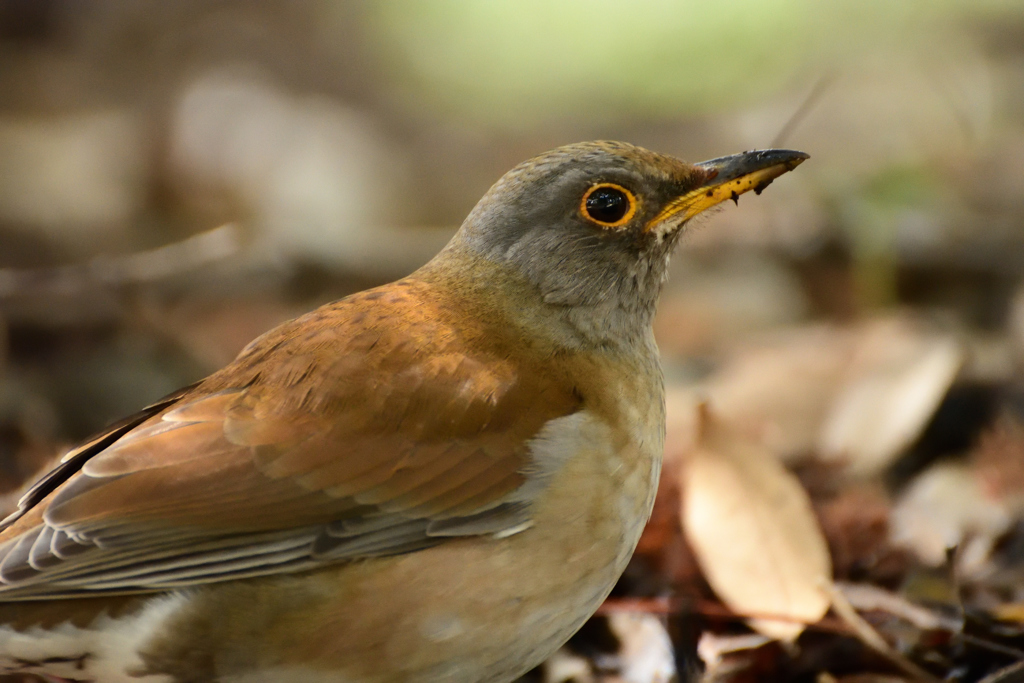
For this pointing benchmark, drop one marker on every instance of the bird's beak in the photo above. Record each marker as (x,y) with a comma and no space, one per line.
(728,178)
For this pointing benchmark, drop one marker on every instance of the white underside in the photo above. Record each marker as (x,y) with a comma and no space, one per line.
(109,646)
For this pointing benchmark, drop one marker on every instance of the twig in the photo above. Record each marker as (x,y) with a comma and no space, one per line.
(804,109)
(867,598)
(870,637)
(993,647)
(112,271)
(663,606)
(1010,674)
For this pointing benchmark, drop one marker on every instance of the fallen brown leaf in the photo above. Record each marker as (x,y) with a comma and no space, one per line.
(945,506)
(783,384)
(751,526)
(857,394)
(896,380)
(643,654)
(719,652)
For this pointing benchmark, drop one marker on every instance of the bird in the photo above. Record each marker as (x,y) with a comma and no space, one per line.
(435,480)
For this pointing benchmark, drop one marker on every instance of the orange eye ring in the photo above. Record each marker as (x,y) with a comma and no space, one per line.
(608,205)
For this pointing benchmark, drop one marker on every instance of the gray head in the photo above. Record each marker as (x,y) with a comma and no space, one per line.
(591,226)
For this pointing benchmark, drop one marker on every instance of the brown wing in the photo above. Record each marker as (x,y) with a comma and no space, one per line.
(380,424)
(73,459)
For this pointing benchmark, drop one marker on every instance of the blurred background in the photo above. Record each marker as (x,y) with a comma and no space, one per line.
(177,177)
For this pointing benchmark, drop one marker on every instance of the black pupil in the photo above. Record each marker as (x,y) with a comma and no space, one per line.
(608,205)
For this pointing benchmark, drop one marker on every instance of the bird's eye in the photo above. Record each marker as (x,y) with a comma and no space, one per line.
(608,205)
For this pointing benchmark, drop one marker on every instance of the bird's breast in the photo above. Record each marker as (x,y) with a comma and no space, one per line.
(481,609)
(474,610)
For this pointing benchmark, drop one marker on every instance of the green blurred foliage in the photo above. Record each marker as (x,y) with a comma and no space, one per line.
(513,63)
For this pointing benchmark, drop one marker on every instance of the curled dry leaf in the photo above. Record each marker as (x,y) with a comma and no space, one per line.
(724,654)
(753,530)
(896,380)
(945,506)
(783,385)
(644,654)
(858,394)
(565,665)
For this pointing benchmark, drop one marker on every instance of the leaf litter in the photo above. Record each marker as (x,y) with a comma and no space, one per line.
(807,529)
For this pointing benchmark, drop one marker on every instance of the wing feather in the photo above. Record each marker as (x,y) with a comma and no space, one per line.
(370,428)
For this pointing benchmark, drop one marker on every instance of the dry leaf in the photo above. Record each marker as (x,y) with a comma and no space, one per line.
(644,655)
(645,652)
(565,666)
(784,384)
(715,650)
(756,538)
(858,394)
(897,379)
(943,506)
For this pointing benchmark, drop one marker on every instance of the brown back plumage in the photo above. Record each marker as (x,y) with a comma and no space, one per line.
(378,424)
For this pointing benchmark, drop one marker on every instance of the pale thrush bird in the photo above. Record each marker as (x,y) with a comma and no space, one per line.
(435,480)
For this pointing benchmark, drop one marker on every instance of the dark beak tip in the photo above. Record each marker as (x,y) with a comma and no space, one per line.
(727,168)
(782,156)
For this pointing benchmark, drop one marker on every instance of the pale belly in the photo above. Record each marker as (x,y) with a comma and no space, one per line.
(473,610)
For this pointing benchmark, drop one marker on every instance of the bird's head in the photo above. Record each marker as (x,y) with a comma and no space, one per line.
(591,226)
